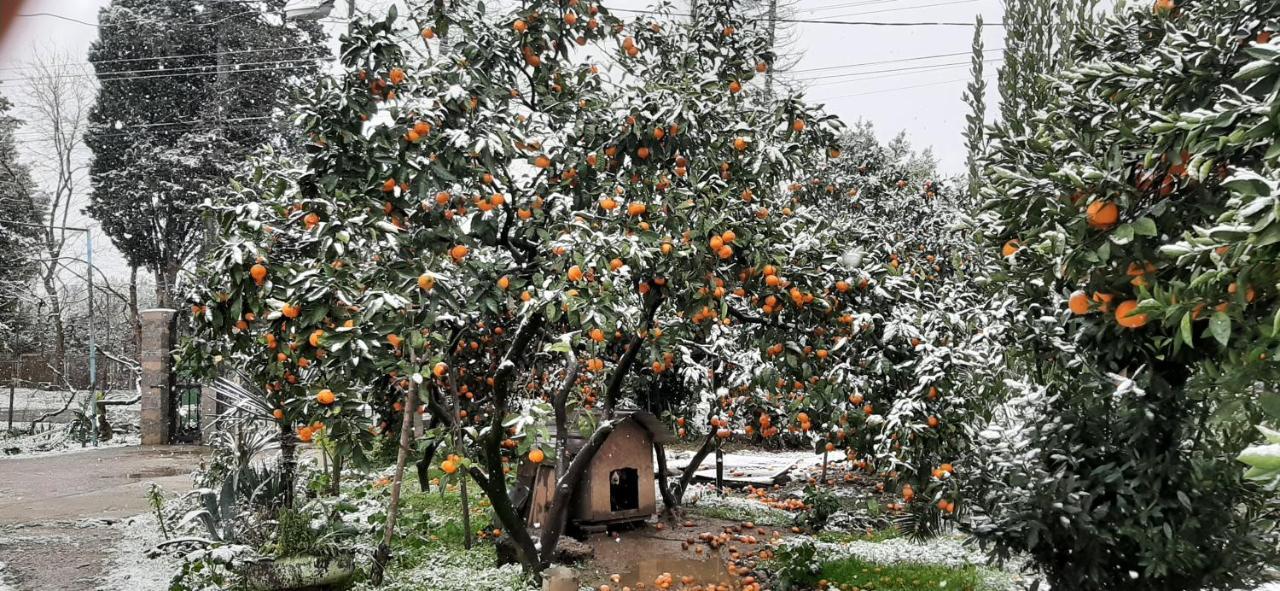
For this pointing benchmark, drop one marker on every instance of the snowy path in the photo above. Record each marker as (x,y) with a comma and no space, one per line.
(57,512)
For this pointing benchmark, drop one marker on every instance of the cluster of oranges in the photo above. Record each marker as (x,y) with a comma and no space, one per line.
(306,433)
(721,244)
(1126,315)
(451,464)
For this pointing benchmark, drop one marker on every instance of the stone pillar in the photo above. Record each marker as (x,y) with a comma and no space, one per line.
(157,370)
(209,412)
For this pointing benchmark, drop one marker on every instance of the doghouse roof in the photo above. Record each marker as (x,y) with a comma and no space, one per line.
(646,420)
(654,426)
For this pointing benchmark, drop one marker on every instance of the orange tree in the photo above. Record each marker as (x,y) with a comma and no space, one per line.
(894,382)
(512,231)
(920,374)
(1137,226)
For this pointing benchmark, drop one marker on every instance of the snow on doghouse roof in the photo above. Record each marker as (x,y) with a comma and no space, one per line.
(647,420)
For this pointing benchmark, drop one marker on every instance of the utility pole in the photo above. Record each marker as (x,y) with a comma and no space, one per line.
(351,16)
(93,346)
(773,42)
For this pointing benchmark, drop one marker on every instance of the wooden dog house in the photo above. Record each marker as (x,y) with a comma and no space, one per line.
(618,486)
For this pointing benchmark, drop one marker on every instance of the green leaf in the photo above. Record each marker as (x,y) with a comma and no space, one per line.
(1123,234)
(1145,226)
(1247,183)
(1266,457)
(1270,404)
(1186,330)
(1220,327)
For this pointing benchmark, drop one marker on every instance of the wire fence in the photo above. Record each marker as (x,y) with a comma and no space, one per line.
(28,406)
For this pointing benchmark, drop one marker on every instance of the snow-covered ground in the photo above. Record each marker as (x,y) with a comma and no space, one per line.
(128,566)
(51,437)
(4,586)
(56,442)
(30,403)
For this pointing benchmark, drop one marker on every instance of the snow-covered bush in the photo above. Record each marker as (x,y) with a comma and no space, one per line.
(1134,217)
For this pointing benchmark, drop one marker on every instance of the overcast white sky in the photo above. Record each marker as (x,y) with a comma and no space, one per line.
(925,101)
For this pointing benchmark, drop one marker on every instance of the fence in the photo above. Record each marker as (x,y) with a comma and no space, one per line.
(35,406)
(41,370)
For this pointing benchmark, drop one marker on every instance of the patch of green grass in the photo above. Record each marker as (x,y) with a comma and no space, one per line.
(433,517)
(852,573)
(844,537)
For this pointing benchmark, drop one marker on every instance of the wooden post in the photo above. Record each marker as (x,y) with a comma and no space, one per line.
(719,469)
(13,385)
(454,395)
(383,554)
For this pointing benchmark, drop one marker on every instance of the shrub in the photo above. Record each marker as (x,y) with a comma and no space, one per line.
(1134,218)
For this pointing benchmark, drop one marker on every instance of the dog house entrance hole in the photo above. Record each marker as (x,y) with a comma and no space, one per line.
(624,490)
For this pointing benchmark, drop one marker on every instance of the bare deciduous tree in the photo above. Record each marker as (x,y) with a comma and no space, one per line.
(55,103)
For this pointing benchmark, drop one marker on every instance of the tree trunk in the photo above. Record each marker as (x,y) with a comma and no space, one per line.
(288,462)
(335,481)
(772,36)
(135,320)
(686,477)
(166,283)
(55,315)
(566,486)
(429,454)
(402,455)
(669,501)
(494,487)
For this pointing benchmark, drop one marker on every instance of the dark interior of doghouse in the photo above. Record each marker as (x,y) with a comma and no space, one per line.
(624,490)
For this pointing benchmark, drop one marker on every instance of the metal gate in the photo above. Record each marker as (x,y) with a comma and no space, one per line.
(184,420)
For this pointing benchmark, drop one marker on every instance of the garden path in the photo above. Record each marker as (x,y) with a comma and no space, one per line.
(56,510)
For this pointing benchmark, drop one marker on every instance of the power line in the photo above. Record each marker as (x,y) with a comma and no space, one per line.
(889,75)
(951,2)
(924,67)
(844,5)
(884,90)
(125,22)
(171,124)
(172,56)
(888,61)
(168,73)
(830,22)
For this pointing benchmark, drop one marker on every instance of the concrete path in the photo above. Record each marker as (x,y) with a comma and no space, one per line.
(55,510)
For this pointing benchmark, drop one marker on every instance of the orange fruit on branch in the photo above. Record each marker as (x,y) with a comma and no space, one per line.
(325,397)
(1126,316)
(1079,303)
(458,253)
(1102,215)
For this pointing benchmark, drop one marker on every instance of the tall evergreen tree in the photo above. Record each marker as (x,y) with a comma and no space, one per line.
(975,97)
(1037,41)
(19,227)
(188,89)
